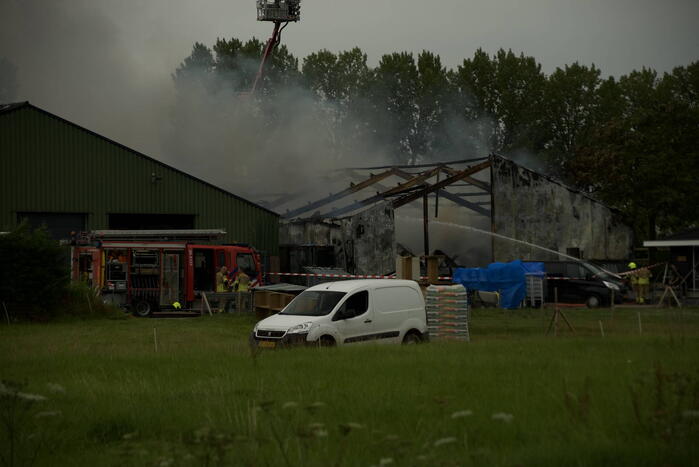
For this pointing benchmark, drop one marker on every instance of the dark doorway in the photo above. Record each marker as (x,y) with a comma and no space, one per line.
(151,221)
(204,270)
(59,224)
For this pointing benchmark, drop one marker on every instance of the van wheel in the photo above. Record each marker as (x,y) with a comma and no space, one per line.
(326,341)
(411,338)
(593,301)
(143,309)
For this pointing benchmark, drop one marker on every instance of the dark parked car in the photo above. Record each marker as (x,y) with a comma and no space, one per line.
(582,282)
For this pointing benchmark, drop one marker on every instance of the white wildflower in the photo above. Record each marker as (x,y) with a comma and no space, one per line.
(56,388)
(31,397)
(462,413)
(386,461)
(505,417)
(443,441)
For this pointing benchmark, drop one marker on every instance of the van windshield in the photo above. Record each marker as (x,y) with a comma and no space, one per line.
(313,303)
(598,272)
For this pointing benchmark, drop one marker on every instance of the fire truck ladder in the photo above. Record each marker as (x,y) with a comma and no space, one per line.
(281,13)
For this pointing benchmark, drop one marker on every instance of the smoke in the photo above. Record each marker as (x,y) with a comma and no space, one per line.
(108,67)
(75,61)
(278,145)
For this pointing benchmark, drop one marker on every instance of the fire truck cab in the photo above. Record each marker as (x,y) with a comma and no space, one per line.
(147,270)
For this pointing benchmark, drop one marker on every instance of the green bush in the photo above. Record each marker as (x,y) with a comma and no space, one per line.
(35,279)
(33,270)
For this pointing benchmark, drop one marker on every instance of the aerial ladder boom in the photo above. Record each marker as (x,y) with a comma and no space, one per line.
(281,13)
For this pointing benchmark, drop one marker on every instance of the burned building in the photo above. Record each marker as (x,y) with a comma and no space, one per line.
(360,244)
(540,210)
(478,210)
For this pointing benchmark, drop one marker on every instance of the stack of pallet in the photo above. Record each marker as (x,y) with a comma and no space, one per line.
(447,312)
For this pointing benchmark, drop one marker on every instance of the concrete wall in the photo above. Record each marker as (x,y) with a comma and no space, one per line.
(536,209)
(363,244)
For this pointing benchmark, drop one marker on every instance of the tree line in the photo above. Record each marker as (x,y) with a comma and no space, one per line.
(631,141)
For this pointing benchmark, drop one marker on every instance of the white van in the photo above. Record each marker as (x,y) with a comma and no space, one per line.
(337,313)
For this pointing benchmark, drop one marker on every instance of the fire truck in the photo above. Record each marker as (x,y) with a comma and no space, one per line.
(152,270)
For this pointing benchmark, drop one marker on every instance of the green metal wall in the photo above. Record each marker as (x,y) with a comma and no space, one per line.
(50,165)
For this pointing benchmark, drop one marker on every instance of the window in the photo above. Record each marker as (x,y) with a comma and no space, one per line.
(554,269)
(220,259)
(313,303)
(245,262)
(356,305)
(575,271)
(59,224)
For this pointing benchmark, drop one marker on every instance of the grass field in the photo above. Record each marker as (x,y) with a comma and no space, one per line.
(512,396)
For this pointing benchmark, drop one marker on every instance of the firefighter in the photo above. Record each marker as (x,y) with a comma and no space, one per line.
(242,286)
(222,280)
(643,276)
(633,278)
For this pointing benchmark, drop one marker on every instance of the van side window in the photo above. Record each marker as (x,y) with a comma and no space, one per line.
(555,269)
(357,304)
(575,271)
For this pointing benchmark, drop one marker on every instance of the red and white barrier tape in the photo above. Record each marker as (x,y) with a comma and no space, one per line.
(346,276)
(374,276)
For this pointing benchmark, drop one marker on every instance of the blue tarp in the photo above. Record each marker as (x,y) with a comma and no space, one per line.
(506,278)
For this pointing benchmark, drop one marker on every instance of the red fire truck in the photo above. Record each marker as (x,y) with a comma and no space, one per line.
(150,270)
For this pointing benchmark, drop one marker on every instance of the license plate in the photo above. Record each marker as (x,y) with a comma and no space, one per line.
(267,344)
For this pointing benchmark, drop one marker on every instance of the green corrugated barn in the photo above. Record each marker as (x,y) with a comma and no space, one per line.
(69,178)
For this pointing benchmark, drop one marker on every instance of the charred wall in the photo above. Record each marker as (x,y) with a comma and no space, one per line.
(362,244)
(534,208)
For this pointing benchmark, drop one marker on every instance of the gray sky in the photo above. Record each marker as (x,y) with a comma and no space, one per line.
(106,64)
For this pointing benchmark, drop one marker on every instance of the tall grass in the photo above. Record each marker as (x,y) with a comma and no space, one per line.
(511,397)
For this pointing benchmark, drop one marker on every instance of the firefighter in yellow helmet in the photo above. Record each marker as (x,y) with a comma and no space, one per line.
(643,276)
(633,279)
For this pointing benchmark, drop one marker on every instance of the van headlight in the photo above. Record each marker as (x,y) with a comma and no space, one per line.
(299,328)
(611,285)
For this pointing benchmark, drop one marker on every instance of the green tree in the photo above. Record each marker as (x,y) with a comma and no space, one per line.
(395,109)
(644,161)
(434,94)
(507,89)
(196,71)
(569,111)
